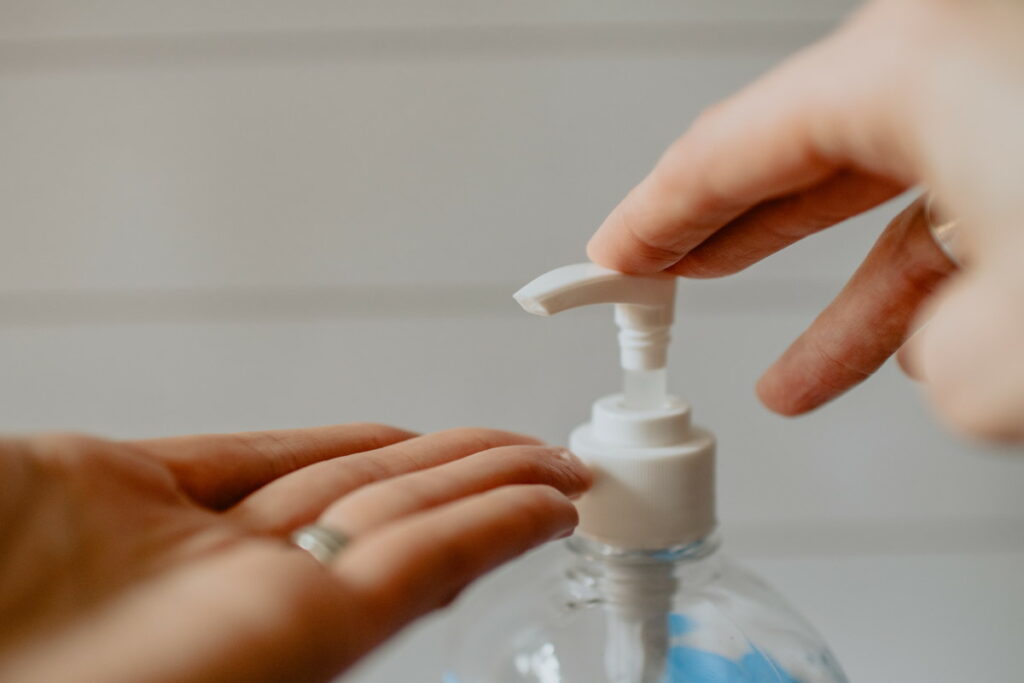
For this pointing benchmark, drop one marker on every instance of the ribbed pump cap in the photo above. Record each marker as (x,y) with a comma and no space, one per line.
(654,471)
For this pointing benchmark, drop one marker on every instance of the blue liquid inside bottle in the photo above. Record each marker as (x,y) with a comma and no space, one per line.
(581,612)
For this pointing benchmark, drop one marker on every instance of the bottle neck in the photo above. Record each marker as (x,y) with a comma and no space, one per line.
(636,589)
(596,552)
(637,584)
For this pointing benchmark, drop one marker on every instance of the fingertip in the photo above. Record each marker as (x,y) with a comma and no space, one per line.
(551,512)
(623,242)
(594,249)
(560,468)
(547,500)
(605,247)
(780,397)
(583,473)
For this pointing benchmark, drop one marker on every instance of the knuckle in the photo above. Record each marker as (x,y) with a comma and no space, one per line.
(923,265)
(634,222)
(703,263)
(923,276)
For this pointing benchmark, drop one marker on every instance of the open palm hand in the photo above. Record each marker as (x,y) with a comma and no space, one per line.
(168,559)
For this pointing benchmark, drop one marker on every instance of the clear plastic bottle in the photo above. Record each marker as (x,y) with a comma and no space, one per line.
(582,612)
(639,595)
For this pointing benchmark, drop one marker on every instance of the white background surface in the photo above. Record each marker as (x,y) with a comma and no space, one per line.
(239,215)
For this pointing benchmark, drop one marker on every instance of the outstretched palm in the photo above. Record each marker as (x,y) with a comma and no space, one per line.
(167,560)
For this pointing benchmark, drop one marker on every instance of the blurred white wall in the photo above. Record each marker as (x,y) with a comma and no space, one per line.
(239,215)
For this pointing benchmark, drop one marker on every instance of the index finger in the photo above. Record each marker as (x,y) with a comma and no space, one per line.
(762,143)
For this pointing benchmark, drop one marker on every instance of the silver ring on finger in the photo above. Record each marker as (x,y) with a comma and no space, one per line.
(322,542)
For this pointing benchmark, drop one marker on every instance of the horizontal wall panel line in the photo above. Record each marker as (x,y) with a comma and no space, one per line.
(29,308)
(407,44)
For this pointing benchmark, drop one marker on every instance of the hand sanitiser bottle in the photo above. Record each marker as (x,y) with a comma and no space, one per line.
(639,594)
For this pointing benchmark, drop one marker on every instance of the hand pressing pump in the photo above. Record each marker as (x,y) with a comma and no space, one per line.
(639,594)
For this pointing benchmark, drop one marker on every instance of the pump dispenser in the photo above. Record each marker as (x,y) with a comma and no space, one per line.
(639,594)
(654,471)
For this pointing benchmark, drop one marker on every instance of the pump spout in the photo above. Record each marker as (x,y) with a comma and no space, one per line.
(644,310)
(582,284)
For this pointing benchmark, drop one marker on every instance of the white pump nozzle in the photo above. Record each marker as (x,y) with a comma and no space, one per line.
(644,307)
(654,471)
(582,284)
